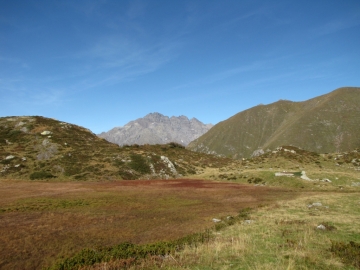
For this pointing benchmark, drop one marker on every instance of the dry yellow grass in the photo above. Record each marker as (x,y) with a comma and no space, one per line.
(281,236)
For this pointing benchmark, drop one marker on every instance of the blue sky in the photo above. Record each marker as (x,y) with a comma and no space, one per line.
(101,64)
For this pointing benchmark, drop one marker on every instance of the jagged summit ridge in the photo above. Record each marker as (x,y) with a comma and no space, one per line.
(156,128)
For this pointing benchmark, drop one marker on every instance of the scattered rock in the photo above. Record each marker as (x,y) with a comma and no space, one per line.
(304,176)
(248,222)
(58,169)
(46,132)
(46,150)
(216,220)
(284,174)
(315,204)
(257,153)
(45,142)
(5,168)
(291,151)
(169,164)
(24,129)
(10,157)
(326,226)
(321,227)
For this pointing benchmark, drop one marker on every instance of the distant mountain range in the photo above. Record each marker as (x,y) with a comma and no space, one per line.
(156,128)
(328,123)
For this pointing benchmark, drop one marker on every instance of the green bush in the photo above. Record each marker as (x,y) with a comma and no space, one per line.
(138,163)
(244,213)
(13,134)
(255,180)
(175,145)
(41,175)
(126,175)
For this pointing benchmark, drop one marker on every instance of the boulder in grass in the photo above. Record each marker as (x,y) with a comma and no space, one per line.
(46,132)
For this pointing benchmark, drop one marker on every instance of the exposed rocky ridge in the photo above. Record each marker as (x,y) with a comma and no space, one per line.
(156,128)
(328,123)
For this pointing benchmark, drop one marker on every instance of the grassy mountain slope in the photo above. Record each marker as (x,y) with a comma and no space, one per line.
(328,123)
(42,148)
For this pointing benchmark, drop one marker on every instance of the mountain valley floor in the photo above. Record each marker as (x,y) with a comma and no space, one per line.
(41,221)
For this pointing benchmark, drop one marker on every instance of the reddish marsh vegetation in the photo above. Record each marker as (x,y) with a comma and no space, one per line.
(42,221)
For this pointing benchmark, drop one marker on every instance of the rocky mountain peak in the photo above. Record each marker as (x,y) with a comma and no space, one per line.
(156,128)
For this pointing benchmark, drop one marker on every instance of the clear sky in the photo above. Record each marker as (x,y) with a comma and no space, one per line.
(101,64)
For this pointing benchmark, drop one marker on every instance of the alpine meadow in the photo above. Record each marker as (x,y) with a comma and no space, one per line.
(192,134)
(72,200)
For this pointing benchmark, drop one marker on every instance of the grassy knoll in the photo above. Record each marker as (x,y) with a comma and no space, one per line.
(342,170)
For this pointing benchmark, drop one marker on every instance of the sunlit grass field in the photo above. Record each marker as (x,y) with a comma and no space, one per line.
(281,236)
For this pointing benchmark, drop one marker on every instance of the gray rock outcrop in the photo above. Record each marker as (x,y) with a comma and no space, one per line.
(156,128)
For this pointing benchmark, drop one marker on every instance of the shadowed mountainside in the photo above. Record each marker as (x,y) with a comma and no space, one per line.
(328,123)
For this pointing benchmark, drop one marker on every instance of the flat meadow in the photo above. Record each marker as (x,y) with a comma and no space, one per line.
(42,222)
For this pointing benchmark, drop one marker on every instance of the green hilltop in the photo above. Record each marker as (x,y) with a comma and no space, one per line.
(325,124)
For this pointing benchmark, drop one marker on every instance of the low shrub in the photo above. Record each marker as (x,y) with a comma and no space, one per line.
(41,175)
(138,163)
(255,180)
(348,252)
(175,145)
(244,213)
(128,250)
(126,174)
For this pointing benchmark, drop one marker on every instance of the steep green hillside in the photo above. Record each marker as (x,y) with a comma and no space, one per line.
(328,123)
(42,148)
